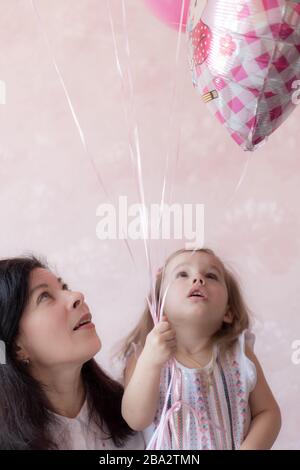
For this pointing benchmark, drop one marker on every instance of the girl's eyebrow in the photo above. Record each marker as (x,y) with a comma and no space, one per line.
(216,268)
(181,265)
(212,266)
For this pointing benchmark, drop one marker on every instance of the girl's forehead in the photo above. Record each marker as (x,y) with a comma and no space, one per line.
(198,259)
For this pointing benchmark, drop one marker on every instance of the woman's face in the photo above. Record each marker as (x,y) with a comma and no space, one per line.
(48,333)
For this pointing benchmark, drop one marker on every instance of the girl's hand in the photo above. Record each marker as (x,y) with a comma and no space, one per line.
(160,344)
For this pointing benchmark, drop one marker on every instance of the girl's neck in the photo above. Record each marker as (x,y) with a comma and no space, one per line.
(193,349)
(64,389)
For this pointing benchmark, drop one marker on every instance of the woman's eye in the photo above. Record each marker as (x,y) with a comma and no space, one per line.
(44,295)
(212,276)
(182,274)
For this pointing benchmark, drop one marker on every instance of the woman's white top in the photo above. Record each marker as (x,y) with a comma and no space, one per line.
(81,434)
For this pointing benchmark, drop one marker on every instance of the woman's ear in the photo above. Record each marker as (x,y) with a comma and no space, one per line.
(228,317)
(20,352)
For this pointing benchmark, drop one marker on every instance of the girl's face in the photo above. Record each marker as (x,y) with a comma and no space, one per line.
(196,292)
(48,333)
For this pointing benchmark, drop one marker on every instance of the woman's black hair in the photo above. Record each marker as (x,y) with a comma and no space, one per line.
(25,412)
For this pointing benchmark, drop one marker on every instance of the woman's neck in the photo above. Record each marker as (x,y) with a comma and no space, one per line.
(64,389)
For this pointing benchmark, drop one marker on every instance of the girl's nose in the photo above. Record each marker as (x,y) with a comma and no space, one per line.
(200,279)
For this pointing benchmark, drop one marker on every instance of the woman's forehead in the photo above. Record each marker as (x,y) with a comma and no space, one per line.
(41,275)
(194,258)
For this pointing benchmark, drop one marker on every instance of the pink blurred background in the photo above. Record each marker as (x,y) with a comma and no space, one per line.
(50,192)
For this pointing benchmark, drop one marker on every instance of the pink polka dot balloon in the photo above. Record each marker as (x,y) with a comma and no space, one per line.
(245,61)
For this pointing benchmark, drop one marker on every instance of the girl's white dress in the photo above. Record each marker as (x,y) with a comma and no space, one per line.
(219,394)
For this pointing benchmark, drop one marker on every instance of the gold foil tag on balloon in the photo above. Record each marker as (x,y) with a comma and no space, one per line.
(211,95)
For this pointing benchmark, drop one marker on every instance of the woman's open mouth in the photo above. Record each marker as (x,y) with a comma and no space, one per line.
(85,322)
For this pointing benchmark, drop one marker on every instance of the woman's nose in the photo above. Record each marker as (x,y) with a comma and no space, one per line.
(77,300)
(200,279)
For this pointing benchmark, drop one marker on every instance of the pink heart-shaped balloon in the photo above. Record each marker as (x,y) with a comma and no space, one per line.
(245,61)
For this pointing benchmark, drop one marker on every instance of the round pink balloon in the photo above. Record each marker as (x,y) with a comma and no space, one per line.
(169,11)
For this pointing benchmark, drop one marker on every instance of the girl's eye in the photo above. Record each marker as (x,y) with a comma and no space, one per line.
(65,287)
(212,276)
(182,274)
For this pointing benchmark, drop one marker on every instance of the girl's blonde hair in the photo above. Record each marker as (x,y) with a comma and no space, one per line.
(228,333)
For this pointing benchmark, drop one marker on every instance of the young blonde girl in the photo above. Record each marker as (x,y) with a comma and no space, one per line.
(219,396)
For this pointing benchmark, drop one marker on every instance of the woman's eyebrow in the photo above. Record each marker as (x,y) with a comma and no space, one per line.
(63,283)
(44,286)
(40,286)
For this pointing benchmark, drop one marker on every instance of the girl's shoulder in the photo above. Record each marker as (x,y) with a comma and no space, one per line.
(239,356)
(245,342)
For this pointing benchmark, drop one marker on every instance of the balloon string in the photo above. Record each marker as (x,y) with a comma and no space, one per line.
(138,156)
(172,112)
(70,104)
(242,177)
(155,307)
(133,134)
(160,431)
(74,116)
(170,133)
(164,410)
(238,185)
(235,191)
(135,152)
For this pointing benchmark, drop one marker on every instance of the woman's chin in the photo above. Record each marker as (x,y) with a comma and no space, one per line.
(92,347)
(97,345)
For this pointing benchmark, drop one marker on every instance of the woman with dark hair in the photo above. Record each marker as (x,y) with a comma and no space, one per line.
(53,395)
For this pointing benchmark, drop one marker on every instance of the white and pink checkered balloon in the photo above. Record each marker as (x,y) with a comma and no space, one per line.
(245,61)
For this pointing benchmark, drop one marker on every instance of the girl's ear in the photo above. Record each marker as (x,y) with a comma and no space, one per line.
(228,317)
